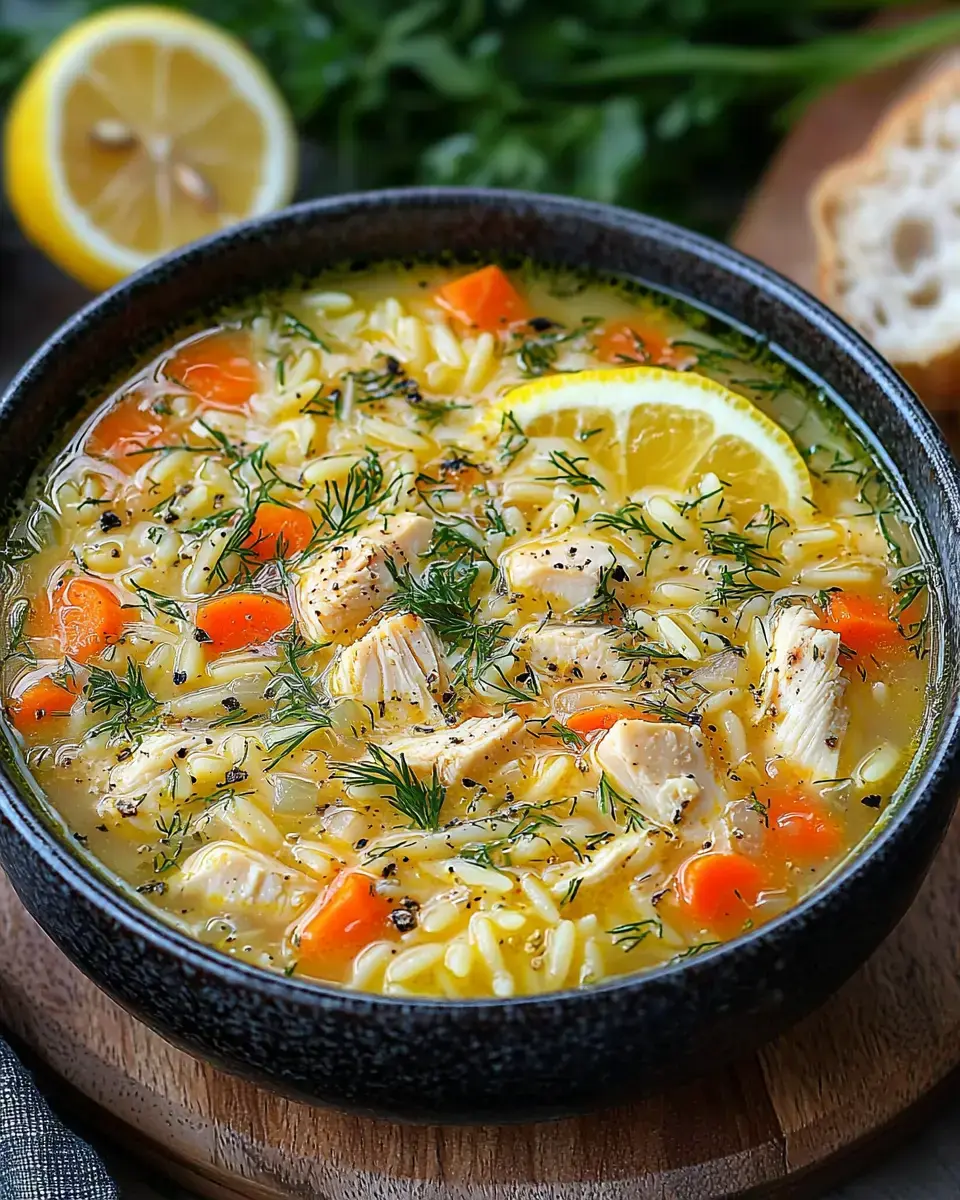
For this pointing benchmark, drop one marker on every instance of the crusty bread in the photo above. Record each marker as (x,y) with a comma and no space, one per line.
(887,225)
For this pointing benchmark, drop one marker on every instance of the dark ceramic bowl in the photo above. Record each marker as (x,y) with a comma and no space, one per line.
(493,1059)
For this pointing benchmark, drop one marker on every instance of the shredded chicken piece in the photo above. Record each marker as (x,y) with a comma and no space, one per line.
(472,750)
(236,880)
(570,653)
(567,572)
(628,850)
(348,583)
(398,667)
(661,767)
(803,687)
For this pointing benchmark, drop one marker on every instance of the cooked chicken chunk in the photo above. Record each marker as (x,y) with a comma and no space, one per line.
(233,880)
(570,653)
(471,750)
(348,583)
(398,666)
(803,688)
(661,767)
(630,850)
(565,572)
(166,769)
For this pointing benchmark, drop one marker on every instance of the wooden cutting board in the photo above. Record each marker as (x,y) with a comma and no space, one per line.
(788,1121)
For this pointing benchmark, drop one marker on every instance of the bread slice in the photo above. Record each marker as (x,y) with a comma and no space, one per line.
(887,225)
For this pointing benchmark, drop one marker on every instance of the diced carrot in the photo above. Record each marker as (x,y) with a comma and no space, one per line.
(718,889)
(241,619)
(864,624)
(277,528)
(84,615)
(629,342)
(802,829)
(40,703)
(485,298)
(589,720)
(218,369)
(130,425)
(348,916)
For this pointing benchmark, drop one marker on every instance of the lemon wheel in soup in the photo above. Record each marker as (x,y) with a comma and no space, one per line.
(141,129)
(449,633)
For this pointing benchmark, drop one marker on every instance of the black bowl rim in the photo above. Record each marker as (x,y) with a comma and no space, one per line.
(936,773)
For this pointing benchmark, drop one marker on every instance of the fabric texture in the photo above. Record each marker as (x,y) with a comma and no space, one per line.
(39,1158)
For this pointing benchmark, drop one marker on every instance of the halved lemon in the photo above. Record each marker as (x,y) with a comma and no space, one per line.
(138,130)
(662,428)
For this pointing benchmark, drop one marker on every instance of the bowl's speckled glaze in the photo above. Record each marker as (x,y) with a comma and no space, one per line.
(527,1057)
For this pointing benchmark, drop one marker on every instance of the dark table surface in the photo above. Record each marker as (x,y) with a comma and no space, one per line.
(34,298)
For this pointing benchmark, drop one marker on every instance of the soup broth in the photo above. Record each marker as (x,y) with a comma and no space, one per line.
(457,634)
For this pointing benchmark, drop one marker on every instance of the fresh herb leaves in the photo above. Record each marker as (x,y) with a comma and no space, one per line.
(420,801)
(136,707)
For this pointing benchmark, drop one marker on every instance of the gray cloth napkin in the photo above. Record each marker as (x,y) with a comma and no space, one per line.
(39,1158)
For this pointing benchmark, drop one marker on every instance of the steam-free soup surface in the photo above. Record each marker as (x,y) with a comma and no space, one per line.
(453,633)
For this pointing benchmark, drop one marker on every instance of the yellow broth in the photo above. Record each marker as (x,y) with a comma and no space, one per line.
(283,771)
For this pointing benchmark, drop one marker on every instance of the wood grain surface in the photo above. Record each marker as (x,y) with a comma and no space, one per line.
(784,1122)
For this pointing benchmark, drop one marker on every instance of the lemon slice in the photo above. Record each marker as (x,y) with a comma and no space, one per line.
(662,428)
(139,130)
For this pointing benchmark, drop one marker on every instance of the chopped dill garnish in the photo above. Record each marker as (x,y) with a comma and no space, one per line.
(612,803)
(570,894)
(294,325)
(173,835)
(632,518)
(17,644)
(299,703)
(605,600)
(569,471)
(537,349)
(551,727)
(630,935)
(512,438)
(767,522)
(371,385)
(344,510)
(456,538)
(910,586)
(420,801)
(694,950)
(137,708)
(155,603)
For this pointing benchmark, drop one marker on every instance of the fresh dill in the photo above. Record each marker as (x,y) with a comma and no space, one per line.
(632,518)
(631,934)
(17,644)
(569,471)
(512,438)
(299,706)
(570,894)
(538,345)
(615,805)
(345,509)
(767,522)
(293,325)
(694,950)
(173,835)
(372,385)
(605,600)
(454,539)
(420,801)
(156,603)
(136,707)
(752,559)
(551,727)
(911,586)
(665,711)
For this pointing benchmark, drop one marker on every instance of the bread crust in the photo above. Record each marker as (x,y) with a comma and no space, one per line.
(935,375)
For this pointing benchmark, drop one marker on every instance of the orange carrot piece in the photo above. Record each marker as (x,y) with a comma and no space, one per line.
(40,703)
(628,342)
(485,298)
(589,720)
(85,617)
(128,426)
(802,829)
(864,624)
(218,369)
(242,619)
(348,916)
(718,889)
(277,528)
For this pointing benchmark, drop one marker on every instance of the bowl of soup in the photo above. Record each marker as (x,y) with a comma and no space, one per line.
(468,655)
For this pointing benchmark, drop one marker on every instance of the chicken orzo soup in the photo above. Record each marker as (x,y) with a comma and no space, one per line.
(460,634)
